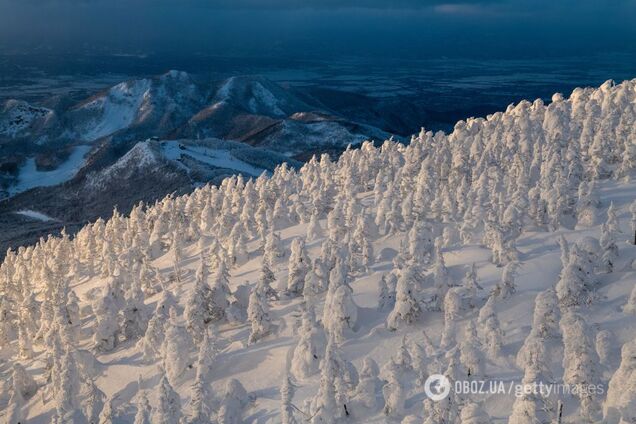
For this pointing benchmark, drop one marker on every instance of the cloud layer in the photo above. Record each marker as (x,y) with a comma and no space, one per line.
(304,28)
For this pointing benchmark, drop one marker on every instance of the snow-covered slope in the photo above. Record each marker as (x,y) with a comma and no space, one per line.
(502,253)
(18,118)
(164,102)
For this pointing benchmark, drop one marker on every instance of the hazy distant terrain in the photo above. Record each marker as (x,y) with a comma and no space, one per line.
(66,120)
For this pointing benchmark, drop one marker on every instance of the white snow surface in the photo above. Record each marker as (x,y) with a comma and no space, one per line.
(29,177)
(39,216)
(216,157)
(116,110)
(261,367)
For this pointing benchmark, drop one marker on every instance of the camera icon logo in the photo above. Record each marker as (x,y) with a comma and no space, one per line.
(437,387)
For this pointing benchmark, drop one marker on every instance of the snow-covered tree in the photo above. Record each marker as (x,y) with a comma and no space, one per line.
(14,411)
(610,249)
(571,288)
(490,330)
(506,287)
(144,411)
(630,306)
(299,264)
(23,382)
(605,345)
(201,393)
(471,413)
(234,401)
(168,410)
(619,406)
(470,352)
(314,230)
(220,292)
(310,348)
(452,312)
(94,401)
(532,407)
(367,389)
(406,309)
(198,308)
(258,316)
(612,220)
(394,395)
(107,328)
(386,295)
(580,362)
(471,286)
(287,408)
(176,347)
(343,314)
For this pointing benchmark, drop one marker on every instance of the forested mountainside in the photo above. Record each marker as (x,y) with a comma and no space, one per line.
(500,252)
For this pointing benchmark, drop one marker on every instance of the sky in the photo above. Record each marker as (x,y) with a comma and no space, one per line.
(323,28)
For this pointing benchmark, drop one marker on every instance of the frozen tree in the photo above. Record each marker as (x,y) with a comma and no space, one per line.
(272,249)
(68,390)
(441,278)
(532,407)
(299,264)
(612,220)
(471,286)
(154,336)
(280,215)
(107,329)
(134,317)
(338,379)
(287,408)
(23,382)
(580,362)
(630,306)
(452,312)
(394,395)
(234,401)
(420,362)
(310,348)
(201,393)
(605,343)
(571,288)
(94,402)
(176,347)
(144,411)
(168,409)
(619,406)
(220,292)
(314,230)
(407,308)
(610,250)
(386,295)
(506,287)
(565,251)
(265,281)
(470,352)
(343,313)
(367,389)
(490,330)
(14,410)
(198,309)
(258,316)
(25,349)
(545,325)
(632,210)
(237,249)
(471,413)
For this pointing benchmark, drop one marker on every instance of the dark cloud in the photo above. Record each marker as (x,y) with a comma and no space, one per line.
(317,27)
